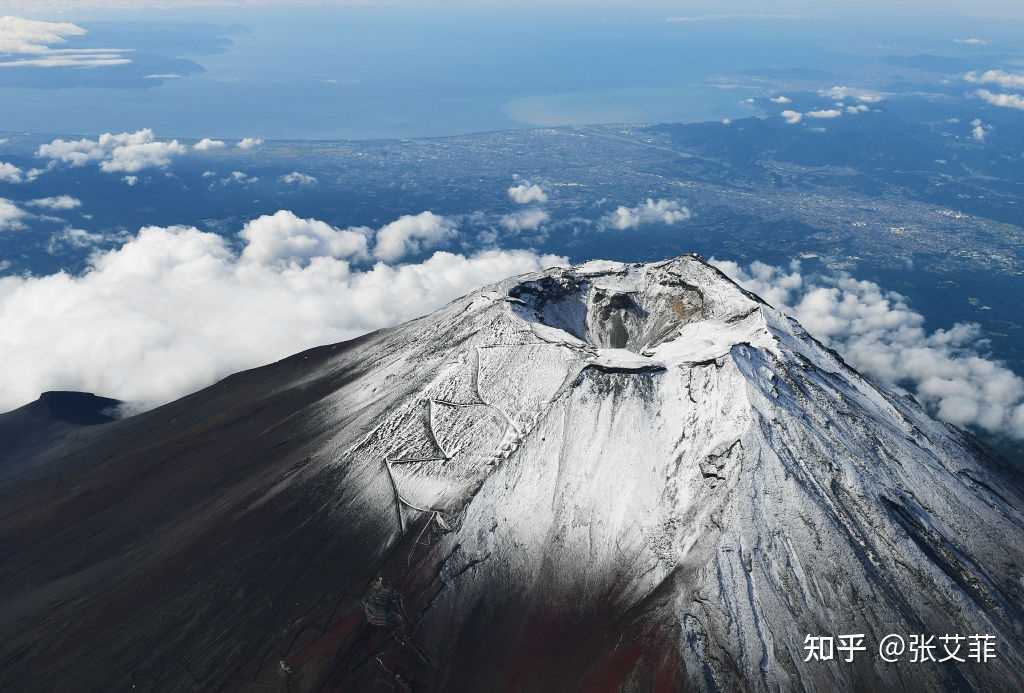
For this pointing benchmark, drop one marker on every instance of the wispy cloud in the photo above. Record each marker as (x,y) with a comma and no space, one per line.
(1003,79)
(840,93)
(1001,100)
(792,117)
(77,238)
(239,178)
(29,43)
(60,202)
(297,178)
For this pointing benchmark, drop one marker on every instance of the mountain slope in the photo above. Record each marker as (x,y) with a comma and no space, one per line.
(614,477)
(55,415)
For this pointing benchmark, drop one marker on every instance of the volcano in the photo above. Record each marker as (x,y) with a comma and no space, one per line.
(610,477)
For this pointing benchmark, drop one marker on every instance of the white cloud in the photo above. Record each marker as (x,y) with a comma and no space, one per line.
(824,114)
(77,238)
(284,238)
(781,100)
(526,220)
(206,144)
(127,152)
(1001,100)
(138,156)
(130,181)
(526,194)
(972,41)
(878,333)
(841,93)
(1003,79)
(26,36)
(980,130)
(859,108)
(239,177)
(249,142)
(34,39)
(296,178)
(412,234)
(650,212)
(792,117)
(11,216)
(73,60)
(60,202)
(9,173)
(175,309)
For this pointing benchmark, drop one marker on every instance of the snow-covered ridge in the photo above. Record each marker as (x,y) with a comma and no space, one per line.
(579,411)
(616,477)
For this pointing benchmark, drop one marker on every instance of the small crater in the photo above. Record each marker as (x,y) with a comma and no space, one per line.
(608,317)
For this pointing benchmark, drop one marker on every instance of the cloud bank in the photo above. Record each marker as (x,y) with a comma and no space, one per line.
(127,152)
(175,309)
(878,333)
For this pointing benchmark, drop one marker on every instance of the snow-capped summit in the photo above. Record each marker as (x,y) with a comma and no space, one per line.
(620,477)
